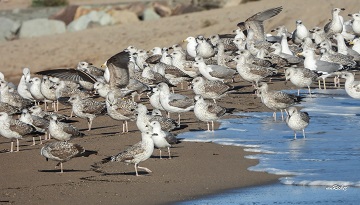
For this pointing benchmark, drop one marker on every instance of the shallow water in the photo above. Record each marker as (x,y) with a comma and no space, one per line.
(323,162)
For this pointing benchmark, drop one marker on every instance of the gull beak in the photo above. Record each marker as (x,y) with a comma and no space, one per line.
(103,65)
(351,43)
(299,54)
(342,9)
(185,40)
(350,15)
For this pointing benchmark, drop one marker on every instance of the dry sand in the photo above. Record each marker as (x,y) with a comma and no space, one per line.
(197,169)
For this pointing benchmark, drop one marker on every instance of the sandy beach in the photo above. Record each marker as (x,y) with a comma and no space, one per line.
(197,169)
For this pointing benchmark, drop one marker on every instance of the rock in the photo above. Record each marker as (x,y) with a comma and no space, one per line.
(232,3)
(8,28)
(79,24)
(162,10)
(137,8)
(150,14)
(41,27)
(186,8)
(105,18)
(123,16)
(66,15)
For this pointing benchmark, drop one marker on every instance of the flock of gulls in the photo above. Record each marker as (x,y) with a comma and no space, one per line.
(207,66)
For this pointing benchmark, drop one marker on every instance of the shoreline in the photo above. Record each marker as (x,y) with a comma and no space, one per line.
(198,169)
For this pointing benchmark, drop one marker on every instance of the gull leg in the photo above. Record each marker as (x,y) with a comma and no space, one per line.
(136,169)
(304,133)
(34,143)
(41,139)
(274,116)
(208,126)
(89,124)
(179,119)
(214,101)
(294,135)
(71,114)
(169,152)
(61,167)
(324,84)
(298,92)
(11,146)
(282,115)
(160,153)
(319,84)
(146,169)
(126,126)
(123,125)
(212,125)
(309,91)
(17,145)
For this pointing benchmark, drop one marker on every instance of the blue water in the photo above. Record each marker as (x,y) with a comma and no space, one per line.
(325,166)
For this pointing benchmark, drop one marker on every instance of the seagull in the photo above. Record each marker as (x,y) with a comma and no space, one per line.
(35,89)
(122,110)
(161,138)
(301,77)
(12,98)
(116,70)
(336,24)
(174,102)
(252,72)
(62,131)
(40,124)
(324,67)
(210,89)
(87,108)
(63,152)
(356,23)
(276,100)
(23,86)
(155,99)
(86,80)
(300,32)
(37,111)
(297,120)
(167,124)
(14,129)
(5,107)
(256,21)
(207,111)
(352,87)
(137,153)
(47,92)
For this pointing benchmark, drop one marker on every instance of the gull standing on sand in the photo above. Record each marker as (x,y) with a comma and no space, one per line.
(336,24)
(161,138)
(208,111)
(47,92)
(35,90)
(276,100)
(12,98)
(155,99)
(121,110)
(174,103)
(251,72)
(23,86)
(297,120)
(40,124)
(137,153)
(210,89)
(14,129)
(301,77)
(62,131)
(166,124)
(300,32)
(37,111)
(352,87)
(87,108)
(324,67)
(62,152)
(356,23)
